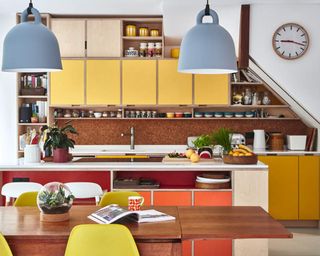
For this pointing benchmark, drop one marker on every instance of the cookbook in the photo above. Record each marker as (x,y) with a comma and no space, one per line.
(113,213)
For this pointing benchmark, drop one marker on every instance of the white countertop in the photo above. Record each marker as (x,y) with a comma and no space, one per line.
(130,166)
(95,150)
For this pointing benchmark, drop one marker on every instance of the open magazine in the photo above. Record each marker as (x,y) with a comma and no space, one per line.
(114,212)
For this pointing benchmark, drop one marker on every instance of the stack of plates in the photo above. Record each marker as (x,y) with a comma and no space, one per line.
(212,181)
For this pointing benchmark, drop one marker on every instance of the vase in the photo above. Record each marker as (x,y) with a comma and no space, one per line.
(61,155)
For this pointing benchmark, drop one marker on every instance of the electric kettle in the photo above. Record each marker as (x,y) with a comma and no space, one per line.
(260,140)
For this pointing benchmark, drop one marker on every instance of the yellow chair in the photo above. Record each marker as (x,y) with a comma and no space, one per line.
(101,240)
(120,198)
(27,199)
(4,247)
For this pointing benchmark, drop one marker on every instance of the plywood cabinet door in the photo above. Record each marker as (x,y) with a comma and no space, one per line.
(211,89)
(139,82)
(207,247)
(67,86)
(283,186)
(309,192)
(174,88)
(103,38)
(103,82)
(71,36)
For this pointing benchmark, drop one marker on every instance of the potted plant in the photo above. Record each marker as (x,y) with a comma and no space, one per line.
(54,201)
(57,139)
(222,137)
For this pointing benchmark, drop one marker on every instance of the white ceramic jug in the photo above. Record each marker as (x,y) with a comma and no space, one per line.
(259,141)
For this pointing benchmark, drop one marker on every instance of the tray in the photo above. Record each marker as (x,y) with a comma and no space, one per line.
(227,159)
(168,159)
(33,91)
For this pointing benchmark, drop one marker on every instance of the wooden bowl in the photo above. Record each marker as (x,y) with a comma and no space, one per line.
(227,159)
(213,185)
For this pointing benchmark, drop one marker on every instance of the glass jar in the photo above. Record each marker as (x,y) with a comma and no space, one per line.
(247,98)
(150,49)
(266,100)
(119,113)
(143,50)
(158,50)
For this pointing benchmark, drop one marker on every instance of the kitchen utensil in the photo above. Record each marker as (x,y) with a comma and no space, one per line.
(154,32)
(260,139)
(198,114)
(212,181)
(218,114)
(296,142)
(97,114)
(131,30)
(276,141)
(187,114)
(170,115)
(249,114)
(143,31)
(239,114)
(178,114)
(208,114)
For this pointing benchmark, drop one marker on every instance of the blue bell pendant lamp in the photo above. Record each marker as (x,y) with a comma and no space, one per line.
(207,48)
(30,46)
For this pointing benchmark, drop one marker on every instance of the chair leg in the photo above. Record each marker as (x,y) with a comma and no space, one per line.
(97,198)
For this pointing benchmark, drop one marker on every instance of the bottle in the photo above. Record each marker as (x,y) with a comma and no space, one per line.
(150,49)
(143,50)
(266,100)
(158,51)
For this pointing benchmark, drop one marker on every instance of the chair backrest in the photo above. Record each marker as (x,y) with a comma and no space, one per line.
(15,189)
(101,240)
(120,198)
(82,190)
(4,247)
(27,199)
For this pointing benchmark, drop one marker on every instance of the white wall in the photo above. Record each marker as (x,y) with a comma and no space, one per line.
(298,77)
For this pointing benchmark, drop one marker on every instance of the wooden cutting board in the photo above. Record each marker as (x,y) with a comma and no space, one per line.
(175,160)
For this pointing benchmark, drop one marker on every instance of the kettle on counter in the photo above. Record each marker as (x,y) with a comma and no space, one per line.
(260,139)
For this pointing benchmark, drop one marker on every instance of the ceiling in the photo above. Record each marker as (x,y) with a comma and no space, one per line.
(122,6)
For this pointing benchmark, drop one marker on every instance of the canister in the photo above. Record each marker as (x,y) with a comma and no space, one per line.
(131,30)
(154,32)
(175,52)
(32,154)
(143,31)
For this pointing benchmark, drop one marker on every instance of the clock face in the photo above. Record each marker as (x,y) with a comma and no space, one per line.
(290,41)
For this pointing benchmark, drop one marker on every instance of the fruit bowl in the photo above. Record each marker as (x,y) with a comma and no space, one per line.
(228,159)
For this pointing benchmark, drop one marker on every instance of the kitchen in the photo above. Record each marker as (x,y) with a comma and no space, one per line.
(157,101)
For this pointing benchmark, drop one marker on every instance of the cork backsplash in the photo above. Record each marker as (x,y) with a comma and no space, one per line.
(104,132)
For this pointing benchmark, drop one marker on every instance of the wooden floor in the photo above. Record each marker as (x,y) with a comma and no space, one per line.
(305,242)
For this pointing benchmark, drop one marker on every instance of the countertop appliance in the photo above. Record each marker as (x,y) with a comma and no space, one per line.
(260,140)
(237,139)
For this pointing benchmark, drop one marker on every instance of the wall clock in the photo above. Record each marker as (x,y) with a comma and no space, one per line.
(290,41)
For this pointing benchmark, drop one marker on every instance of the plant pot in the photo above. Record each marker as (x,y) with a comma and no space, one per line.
(61,155)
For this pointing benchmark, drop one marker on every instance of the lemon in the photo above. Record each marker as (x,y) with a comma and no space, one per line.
(189,152)
(195,158)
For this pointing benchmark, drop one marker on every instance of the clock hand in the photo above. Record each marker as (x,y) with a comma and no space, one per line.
(291,41)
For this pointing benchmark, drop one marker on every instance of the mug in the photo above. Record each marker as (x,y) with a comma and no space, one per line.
(135,203)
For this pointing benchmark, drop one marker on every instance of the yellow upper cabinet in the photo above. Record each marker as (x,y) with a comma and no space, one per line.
(139,82)
(174,87)
(103,38)
(103,82)
(309,179)
(283,186)
(71,36)
(211,89)
(67,86)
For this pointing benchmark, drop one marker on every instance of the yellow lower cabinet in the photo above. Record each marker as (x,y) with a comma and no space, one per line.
(283,186)
(309,169)
(103,82)
(67,86)
(139,82)
(211,89)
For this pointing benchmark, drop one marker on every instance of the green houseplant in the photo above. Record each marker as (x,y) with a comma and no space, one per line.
(222,137)
(54,201)
(58,140)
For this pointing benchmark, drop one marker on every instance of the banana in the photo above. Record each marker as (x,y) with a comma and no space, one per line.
(239,150)
(245,148)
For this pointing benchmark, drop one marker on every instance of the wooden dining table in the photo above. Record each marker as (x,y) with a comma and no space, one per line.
(27,235)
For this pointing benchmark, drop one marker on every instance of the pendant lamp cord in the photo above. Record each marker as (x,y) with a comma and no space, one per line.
(30,7)
(207,10)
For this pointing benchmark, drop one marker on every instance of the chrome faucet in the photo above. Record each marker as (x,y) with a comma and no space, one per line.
(131,134)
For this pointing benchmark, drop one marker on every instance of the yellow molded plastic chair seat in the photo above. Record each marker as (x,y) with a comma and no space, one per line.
(101,240)
(27,199)
(4,247)
(120,198)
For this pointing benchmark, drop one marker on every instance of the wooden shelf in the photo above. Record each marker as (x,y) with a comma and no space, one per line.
(31,124)
(32,97)
(247,83)
(259,106)
(143,38)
